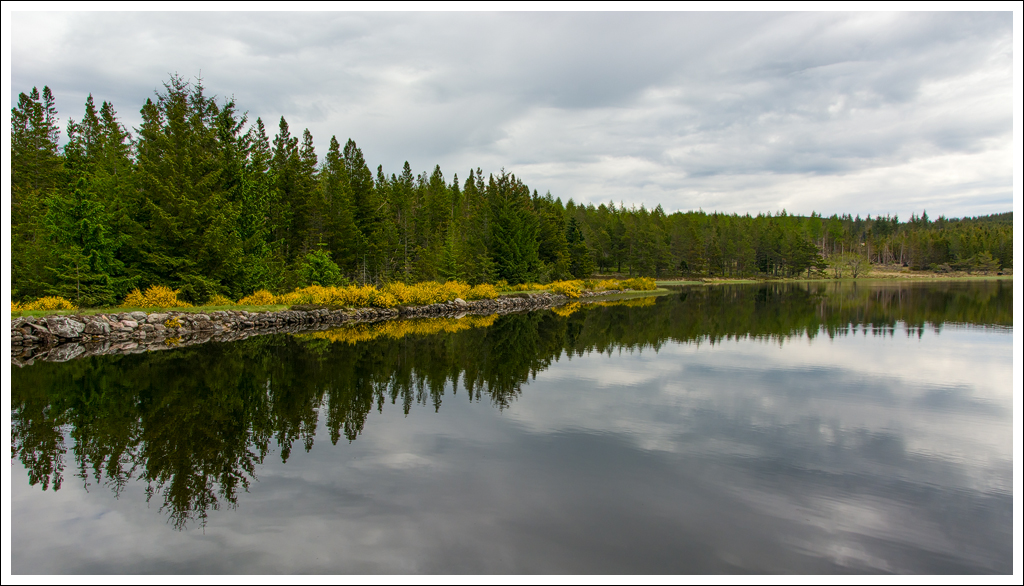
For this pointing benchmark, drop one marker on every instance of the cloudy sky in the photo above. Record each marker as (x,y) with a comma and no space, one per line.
(860,113)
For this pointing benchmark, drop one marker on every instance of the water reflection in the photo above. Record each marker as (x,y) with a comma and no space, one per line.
(752,424)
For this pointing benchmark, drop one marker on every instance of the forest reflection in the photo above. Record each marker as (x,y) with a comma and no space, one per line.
(193,424)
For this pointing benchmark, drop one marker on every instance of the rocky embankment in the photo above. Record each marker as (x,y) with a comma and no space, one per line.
(61,338)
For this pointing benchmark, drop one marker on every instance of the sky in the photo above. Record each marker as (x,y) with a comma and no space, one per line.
(834,112)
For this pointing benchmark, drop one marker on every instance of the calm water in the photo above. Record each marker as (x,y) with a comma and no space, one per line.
(731,429)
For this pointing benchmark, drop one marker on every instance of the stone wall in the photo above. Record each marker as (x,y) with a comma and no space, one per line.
(61,338)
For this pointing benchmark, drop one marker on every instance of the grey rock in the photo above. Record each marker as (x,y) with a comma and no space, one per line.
(97,327)
(157,318)
(36,327)
(138,315)
(129,324)
(64,327)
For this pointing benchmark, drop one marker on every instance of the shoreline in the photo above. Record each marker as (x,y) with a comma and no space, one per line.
(873,277)
(59,338)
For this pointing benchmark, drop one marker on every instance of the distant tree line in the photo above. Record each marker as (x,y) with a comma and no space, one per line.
(200,200)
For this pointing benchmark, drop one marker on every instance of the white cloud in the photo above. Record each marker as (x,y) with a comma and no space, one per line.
(739,112)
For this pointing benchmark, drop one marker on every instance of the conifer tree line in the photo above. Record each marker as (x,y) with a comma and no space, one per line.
(199,199)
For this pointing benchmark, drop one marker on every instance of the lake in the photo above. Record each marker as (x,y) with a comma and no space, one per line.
(776,428)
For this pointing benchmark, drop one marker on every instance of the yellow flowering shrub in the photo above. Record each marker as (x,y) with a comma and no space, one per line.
(155,296)
(528,287)
(219,300)
(15,306)
(48,304)
(570,289)
(429,292)
(482,291)
(261,297)
(610,285)
(640,284)
(383,299)
(287,298)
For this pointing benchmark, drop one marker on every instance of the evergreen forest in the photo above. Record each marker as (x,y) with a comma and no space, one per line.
(205,201)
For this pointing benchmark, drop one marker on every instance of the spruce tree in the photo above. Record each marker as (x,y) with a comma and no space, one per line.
(186,217)
(83,252)
(335,191)
(35,173)
(513,229)
(581,261)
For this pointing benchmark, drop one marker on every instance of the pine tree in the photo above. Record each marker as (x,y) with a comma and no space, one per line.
(35,173)
(307,223)
(513,229)
(186,219)
(285,170)
(341,234)
(83,252)
(364,206)
(581,261)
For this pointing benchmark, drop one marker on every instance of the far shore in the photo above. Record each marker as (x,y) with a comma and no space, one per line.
(873,276)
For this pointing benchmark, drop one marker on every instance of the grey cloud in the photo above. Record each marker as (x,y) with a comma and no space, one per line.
(679,105)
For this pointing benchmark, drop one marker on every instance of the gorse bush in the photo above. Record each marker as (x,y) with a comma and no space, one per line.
(524,287)
(353,296)
(640,284)
(155,296)
(570,289)
(482,291)
(390,295)
(429,292)
(218,300)
(261,297)
(43,304)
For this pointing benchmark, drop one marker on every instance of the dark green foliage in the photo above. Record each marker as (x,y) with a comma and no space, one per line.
(580,261)
(35,174)
(514,246)
(339,231)
(82,259)
(202,201)
(318,269)
(186,224)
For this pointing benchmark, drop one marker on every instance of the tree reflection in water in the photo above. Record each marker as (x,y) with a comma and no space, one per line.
(194,423)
